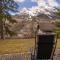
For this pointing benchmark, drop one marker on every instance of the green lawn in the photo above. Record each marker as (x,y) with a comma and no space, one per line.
(18,45)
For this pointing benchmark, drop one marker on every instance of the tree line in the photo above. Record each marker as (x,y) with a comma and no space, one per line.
(5,7)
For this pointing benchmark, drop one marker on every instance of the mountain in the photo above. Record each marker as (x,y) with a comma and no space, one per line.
(27,24)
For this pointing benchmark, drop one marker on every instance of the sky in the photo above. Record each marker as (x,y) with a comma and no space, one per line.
(38,5)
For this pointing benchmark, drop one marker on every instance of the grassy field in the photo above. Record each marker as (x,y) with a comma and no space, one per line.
(58,43)
(18,45)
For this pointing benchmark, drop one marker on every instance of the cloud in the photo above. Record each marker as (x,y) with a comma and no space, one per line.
(48,5)
(19,1)
(52,3)
(45,2)
(44,6)
(41,2)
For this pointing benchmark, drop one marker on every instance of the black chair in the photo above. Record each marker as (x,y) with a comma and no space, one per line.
(46,45)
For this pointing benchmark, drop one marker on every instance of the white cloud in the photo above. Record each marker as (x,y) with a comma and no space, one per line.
(44,6)
(19,1)
(47,5)
(52,3)
(41,3)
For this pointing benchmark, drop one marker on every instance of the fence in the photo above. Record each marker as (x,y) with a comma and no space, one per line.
(16,56)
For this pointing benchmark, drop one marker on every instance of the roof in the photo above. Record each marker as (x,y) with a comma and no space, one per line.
(46,26)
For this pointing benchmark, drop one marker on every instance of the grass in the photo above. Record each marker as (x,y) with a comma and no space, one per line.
(58,43)
(18,45)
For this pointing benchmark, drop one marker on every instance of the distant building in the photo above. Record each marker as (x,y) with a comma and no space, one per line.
(46,26)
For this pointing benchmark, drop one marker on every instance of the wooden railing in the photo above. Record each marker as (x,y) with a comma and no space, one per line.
(16,56)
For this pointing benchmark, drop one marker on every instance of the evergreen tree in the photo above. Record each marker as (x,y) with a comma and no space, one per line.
(5,7)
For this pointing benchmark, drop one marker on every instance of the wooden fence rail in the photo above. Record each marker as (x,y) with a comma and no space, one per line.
(16,56)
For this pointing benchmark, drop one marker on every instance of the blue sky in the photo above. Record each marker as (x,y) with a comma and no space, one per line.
(29,4)
(58,1)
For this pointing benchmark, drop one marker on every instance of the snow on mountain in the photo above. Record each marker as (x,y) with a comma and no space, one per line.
(34,11)
(46,7)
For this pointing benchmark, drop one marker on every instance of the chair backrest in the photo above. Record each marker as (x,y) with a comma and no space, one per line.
(45,43)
